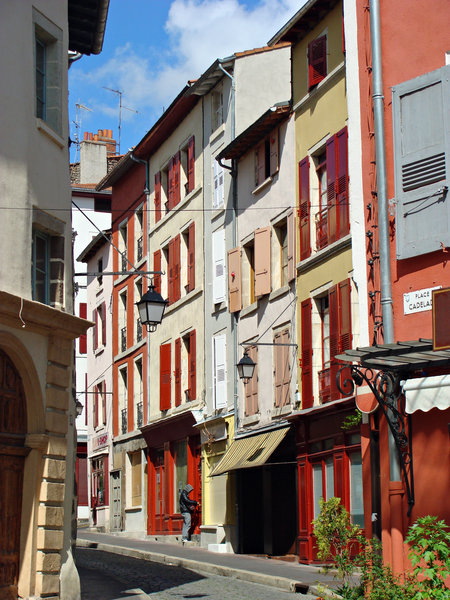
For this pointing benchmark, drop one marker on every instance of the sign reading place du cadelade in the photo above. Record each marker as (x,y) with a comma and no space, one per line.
(419,300)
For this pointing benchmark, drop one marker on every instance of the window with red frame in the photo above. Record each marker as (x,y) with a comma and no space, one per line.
(317,61)
(99,486)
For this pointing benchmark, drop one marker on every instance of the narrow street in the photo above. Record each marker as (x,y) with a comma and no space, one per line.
(106,576)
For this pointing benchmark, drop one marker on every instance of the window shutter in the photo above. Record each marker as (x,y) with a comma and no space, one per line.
(96,406)
(305,218)
(178,372)
(342,197)
(331,190)
(176,178)
(220,374)
(421,162)
(262,262)
(345,323)
(83,338)
(260,164)
(177,268)
(171,184)
(278,370)
(103,319)
(106,476)
(234,279)
(165,381)
(334,340)
(191,164)
(95,328)
(191,258)
(304,505)
(274,137)
(157,267)
(192,366)
(317,60)
(286,390)
(171,271)
(307,380)
(157,196)
(218,184)
(251,388)
(219,266)
(104,403)
(339,482)
(291,245)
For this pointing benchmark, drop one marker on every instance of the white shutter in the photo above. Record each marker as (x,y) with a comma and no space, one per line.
(219,280)
(218,184)
(220,372)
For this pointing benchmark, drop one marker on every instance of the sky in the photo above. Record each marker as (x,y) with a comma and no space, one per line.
(152,48)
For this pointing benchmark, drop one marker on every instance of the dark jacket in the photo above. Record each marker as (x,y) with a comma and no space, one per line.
(186,504)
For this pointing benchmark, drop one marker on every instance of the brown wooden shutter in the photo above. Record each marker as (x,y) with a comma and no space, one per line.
(165,381)
(157,267)
(157,196)
(192,366)
(176,178)
(278,370)
(286,389)
(342,198)
(170,184)
(331,190)
(260,164)
(307,379)
(317,60)
(171,287)
(304,213)
(234,279)
(251,388)
(95,329)
(291,245)
(177,268)
(334,340)
(191,258)
(274,151)
(103,309)
(262,262)
(191,164)
(178,372)
(83,337)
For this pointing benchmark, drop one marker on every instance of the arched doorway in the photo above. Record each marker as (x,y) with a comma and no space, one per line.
(13,429)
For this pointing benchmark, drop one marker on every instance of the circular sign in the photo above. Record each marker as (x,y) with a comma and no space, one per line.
(367,404)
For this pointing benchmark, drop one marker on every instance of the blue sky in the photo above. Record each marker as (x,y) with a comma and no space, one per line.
(153,47)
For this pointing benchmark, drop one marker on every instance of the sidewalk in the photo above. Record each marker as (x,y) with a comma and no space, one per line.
(292,577)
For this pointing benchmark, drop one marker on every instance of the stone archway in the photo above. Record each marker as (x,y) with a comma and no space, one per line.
(13,430)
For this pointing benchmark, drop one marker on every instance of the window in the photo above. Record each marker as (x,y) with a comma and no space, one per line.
(82,340)
(100,271)
(220,373)
(99,405)
(139,234)
(137,295)
(123,400)
(322,215)
(356,490)
(165,379)
(99,329)
(324,373)
(218,187)
(323,482)
(251,387)
(180,471)
(158,197)
(123,266)
(172,256)
(189,257)
(138,394)
(135,489)
(99,486)
(421,151)
(248,274)
(266,158)
(317,61)
(123,342)
(187,172)
(219,266)
(41,267)
(282,370)
(217,109)
(281,249)
(167,185)
(48,71)
(190,344)
(185,368)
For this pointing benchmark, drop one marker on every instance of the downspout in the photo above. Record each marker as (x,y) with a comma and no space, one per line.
(395,484)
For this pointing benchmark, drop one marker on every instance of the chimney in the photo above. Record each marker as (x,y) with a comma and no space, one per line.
(94,153)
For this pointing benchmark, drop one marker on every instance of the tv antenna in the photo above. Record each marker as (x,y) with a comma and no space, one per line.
(77,123)
(119,93)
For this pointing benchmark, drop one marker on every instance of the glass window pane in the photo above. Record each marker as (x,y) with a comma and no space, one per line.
(356,490)
(317,488)
(180,471)
(329,477)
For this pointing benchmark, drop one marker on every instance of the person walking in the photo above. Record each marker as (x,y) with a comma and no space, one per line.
(187,507)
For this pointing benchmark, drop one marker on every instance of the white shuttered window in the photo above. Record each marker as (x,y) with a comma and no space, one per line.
(220,373)
(219,282)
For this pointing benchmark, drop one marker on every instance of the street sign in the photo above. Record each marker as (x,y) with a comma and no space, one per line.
(419,300)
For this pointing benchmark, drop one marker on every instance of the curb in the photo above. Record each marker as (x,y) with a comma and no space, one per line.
(281,583)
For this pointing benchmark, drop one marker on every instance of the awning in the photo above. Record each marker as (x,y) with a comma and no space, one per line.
(250,451)
(425,393)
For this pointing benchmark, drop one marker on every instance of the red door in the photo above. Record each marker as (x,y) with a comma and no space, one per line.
(158,496)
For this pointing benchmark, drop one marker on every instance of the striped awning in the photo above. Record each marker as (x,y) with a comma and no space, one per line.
(250,451)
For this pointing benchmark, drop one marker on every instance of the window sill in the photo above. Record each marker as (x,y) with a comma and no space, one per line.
(50,133)
(324,254)
(328,79)
(219,307)
(262,185)
(249,310)
(141,262)
(122,278)
(133,508)
(282,291)
(184,300)
(99,290)
(175,209)
(250,420)
(129,351)
(217,133)
(99,351)
(281,411)
(218,212)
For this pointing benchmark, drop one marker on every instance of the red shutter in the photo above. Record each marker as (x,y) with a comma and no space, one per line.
(339,485)
(104,403)
(192,366)
(176,178)
(82,479)
(334,340)
(303,488)
(171,271)
(158,196)
(331,190)
(170,184)
(191,258)
(345,322)
(83,338)
(178,372)
(96,406)
(177,269)
(342,183)
(106,480)
(165,381)
(95,328)
(317,60)
(191,164)
(307,380)
(103,309)
(305,219)
(291,245)
(157,267)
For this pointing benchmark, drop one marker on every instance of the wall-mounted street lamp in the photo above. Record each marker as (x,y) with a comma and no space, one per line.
(151,308)
(78,408)
(246,366)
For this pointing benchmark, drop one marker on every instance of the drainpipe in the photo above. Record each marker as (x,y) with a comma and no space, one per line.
(146,163)
(395,486)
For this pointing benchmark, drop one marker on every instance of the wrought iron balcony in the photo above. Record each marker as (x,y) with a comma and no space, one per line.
(123,339)
(140,414)
(124,261)
(138,330)
(324,385)
(140,248)
(322,229)
(124,421)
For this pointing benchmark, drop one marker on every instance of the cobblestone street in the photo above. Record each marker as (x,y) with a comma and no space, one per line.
(106,576)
